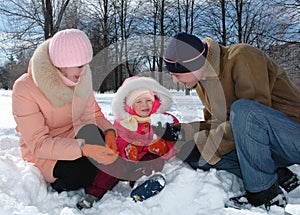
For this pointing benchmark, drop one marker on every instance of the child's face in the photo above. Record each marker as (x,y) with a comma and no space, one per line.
(143,106)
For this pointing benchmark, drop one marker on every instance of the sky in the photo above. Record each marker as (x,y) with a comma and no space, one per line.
(23,190)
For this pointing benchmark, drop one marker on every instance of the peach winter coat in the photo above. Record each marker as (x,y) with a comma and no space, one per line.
(49,114)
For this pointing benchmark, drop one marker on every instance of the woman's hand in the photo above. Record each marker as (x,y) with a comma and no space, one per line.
(110,140)
(101,154)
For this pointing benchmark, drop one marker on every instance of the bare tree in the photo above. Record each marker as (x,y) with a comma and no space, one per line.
(100,20)
(155,27)
(179,16)
(162,34)
(216,22)
(224,29)
(50,25)
(239,12)
(28,23)
(290,11)
(26,16)
(114,24)
(188,8)
(127,11)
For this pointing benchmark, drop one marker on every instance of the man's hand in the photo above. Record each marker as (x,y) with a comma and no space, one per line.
(168,132)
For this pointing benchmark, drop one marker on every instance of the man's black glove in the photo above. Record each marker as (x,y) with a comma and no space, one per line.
(189,152)
(168,132)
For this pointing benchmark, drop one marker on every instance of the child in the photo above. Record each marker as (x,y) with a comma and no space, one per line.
(133,105)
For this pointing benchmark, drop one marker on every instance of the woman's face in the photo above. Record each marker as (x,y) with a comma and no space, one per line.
(143,106)
(73,73)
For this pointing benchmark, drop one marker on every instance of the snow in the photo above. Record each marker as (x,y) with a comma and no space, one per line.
(24,192)
(162,118)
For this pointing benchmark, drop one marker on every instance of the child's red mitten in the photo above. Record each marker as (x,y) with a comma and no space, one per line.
(158,147)
(131,152)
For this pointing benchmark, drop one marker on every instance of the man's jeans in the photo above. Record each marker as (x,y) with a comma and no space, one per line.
(265,139)
(229,162)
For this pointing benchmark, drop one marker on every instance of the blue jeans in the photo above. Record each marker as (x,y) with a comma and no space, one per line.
(265,140)
(229,162)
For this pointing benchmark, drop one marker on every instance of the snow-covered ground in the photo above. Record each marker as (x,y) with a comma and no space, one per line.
(23,190)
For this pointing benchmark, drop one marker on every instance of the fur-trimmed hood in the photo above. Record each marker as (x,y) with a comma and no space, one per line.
(47,80)
(118,102)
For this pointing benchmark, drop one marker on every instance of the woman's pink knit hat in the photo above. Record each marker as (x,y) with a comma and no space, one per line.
(70,48)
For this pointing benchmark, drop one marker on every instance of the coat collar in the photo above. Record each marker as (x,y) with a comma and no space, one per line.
(47,80)
(212,63)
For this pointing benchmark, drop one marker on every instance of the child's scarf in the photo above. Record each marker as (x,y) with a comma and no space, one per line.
(131,123)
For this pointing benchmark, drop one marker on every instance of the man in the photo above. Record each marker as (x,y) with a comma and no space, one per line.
(247,96)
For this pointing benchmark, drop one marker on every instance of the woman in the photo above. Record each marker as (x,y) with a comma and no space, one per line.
(50,103)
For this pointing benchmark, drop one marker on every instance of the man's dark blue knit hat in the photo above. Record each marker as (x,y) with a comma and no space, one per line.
(185,53)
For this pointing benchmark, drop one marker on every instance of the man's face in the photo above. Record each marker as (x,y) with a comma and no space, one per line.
(189,79)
